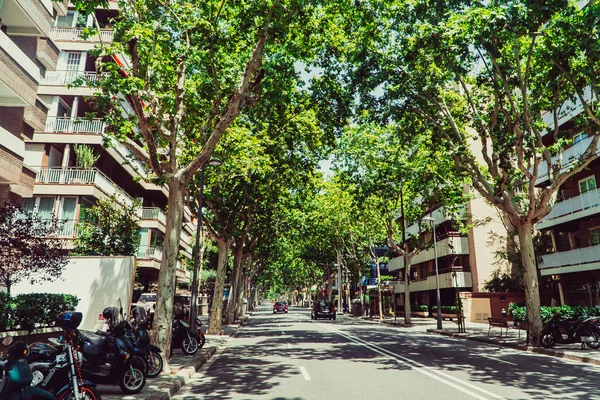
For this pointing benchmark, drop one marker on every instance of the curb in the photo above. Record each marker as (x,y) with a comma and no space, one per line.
(530,349)
(170,384)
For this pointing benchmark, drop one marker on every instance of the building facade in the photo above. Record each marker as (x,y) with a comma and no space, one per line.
(42,122)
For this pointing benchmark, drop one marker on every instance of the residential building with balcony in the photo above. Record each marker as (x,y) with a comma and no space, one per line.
(60,185)
(465,260)
(571,249)
(26,54)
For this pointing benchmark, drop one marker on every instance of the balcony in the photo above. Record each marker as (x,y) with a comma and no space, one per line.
(34,117)
(47,53)
(74,125)
(566,157)
(154,214)
(149,253)
(451,245)
(577,260)
(463,280)
(581,206)
(63,78)
(19,76)
(76,181)
(568,110)
(59,34)
(26,17)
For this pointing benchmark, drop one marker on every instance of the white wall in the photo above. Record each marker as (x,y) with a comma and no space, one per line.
(34,155)
(98,282)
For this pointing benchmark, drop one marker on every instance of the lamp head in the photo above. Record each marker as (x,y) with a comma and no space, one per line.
(215,162)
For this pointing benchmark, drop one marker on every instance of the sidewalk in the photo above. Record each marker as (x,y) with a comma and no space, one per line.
(479,332)
(183,367)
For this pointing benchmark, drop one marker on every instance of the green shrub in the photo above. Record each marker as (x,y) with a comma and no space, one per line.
(422,308)
(449,309)
(519,313)
(6,307)
(40,309)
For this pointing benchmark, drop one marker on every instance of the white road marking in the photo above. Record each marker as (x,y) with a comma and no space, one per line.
(289,346)
(496,359)
(282,332)
(305,373)
(444,378)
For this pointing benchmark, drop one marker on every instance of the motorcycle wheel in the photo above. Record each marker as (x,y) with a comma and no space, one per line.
(86,393)
(155,365)
(132,380)
(547,340)
(594,345)
(190,345)
(202,341)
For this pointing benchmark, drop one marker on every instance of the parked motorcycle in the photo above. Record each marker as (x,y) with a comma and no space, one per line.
(51,367)
(582,330)
(137,333)
(200,333)
(108,357)
(183,335)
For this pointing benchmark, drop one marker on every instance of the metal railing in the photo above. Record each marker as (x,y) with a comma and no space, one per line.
(566,158)
(154,213)
(584,255)
(63,78)
(149,253)
(76,35)
(572,206)
(92,176)
(74,125)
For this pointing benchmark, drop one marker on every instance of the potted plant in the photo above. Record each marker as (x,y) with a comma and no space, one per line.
(85,158)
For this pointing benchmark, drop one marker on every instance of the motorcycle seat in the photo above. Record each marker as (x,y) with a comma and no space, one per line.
(94,339)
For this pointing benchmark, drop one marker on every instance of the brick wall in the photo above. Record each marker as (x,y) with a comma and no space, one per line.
(13,76)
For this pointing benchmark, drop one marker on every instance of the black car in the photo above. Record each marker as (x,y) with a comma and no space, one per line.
(323,309)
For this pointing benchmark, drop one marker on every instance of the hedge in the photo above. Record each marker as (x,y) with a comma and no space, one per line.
(519,313)
(33,310)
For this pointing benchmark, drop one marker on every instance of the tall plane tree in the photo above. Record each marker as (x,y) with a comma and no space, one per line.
(494,80)
(176,75)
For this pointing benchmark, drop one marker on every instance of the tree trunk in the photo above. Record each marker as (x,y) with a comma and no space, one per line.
(532,287)
(163,317)
(380,297)
(239,297)
(216,311)
(407,310)
(233,292)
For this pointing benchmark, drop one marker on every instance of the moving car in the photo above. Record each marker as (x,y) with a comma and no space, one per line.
(323,309)
(280,306)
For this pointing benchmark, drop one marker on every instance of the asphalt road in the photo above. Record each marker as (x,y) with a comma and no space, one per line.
(291,357)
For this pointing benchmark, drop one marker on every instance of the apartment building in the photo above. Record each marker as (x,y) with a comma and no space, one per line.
(573,226)
(465,261)
(43,121)
(26,54)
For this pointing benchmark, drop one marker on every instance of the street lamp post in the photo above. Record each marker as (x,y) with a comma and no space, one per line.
(199,231)
(437,275)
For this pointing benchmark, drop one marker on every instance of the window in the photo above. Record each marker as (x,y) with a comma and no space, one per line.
(595,237)
(587,184)
(579,137)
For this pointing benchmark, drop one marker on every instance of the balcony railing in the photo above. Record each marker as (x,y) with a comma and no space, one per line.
(149,253)
(63,78)
(154,213)
(575,207)
(59,34)
(74,125)
(581,256)
(566,157)
(92,176)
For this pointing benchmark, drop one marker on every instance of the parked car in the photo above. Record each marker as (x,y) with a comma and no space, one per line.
(280,306)
(148,301)
(323,309)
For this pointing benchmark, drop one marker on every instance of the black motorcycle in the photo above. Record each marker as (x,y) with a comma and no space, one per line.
(137,333)
(108,357)
(580,330)
(183,335)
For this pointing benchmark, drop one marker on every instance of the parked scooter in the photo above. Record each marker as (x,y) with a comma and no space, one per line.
(15,374)
(582,330)
(137,333)
(110,358)
(183,335)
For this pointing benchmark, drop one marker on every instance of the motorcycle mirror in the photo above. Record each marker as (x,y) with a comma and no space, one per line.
(7,340)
